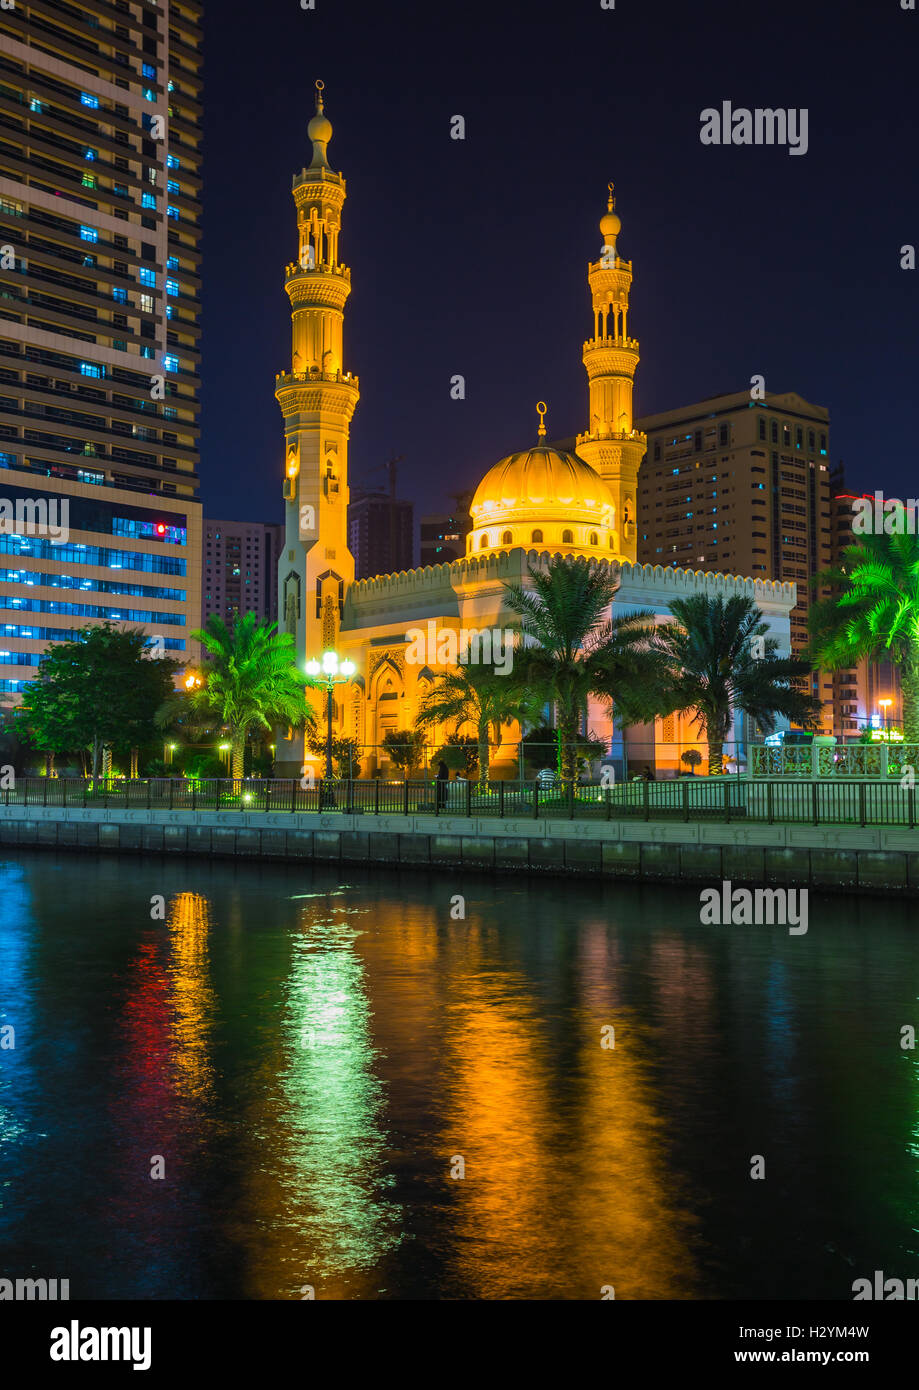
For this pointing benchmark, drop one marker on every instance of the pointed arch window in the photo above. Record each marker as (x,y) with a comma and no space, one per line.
(593,538)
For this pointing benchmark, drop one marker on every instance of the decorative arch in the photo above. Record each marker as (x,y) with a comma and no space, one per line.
(567,538)
(507,538)
(593,539)
(536,537)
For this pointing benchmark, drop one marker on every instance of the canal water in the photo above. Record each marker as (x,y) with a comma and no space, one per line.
(290,1078)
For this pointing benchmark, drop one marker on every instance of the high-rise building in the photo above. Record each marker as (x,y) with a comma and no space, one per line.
(443,534)
(380,533)
(866,696)
(100,151)
(741,486)
(241,569)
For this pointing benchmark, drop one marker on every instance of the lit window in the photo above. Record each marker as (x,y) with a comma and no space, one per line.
(172,263)
(171,363)
(89,152)
(148,200)
(169,311)
(172,186)
(149,94)
(87,99)
(88,234)
(147,277)
(148,70)
(146,304)
(90,369)
(173,161)
(89,180)
(173,212)
(35,105)
(119,295)
(147,351)
(172,287)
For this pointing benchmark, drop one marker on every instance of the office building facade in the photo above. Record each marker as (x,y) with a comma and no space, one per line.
(380,533)
(241,569)
(100,131)
(742,486)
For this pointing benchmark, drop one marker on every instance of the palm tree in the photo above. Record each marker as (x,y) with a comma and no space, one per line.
(573,648)
(711,666)
(873,612)
(476,695)
(251,680)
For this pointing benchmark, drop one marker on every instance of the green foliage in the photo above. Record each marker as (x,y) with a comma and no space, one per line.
(346,755)
(250,681)
(710,666)
(873,612)
(572,648)
(100,689)
(405,749)
(460,754)
(477,695)
(692,758)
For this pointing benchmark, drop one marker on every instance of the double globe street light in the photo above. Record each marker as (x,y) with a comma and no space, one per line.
(329,673)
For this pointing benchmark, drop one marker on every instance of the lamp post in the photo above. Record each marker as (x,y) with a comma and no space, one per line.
(330,672)
(225,749)
(885,706)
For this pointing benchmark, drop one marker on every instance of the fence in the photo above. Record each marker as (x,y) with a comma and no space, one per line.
(790,799)
(853,760)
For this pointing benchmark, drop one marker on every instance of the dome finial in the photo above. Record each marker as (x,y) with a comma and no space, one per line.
(541,409)
(610,224)
(319,130)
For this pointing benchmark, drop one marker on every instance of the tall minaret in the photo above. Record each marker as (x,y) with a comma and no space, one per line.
(318,399)
(611,445)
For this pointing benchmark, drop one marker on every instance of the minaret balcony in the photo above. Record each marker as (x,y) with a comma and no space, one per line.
(628,344)
(316,374)
(619,436)
(324,268)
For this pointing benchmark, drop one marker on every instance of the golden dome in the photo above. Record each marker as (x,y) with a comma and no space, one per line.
(540,480)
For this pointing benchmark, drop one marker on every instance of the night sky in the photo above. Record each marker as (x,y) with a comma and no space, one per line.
(470,257)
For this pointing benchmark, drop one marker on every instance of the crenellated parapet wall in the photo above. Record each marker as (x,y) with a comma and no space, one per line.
(511,565)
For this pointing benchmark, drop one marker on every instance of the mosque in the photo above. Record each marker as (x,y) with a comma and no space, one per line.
(539,502)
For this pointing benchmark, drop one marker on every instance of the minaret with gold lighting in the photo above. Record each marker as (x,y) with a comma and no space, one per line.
(611,444)
(317,397)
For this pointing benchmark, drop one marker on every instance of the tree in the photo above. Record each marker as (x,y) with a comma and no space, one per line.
(99,689)
(476,695)
(573,648)
(251,681)
(711,666)
(874,611)
(405,749)
(692,758)
(460,754)
(346,755)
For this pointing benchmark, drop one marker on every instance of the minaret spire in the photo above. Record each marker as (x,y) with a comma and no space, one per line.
(317,398)
(612,445)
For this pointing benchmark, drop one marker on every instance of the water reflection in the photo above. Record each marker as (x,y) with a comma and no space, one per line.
(308,1058)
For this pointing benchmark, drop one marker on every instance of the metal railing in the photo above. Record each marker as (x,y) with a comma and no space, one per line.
(880,760)
(790,800)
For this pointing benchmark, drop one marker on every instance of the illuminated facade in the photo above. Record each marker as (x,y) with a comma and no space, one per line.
(541,501)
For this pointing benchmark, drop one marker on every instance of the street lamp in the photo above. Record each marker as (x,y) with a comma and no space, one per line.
(225,748)
(192,682)
(885,706)
(329,672)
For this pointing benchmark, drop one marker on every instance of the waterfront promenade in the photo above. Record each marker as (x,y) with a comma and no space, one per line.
(701,831)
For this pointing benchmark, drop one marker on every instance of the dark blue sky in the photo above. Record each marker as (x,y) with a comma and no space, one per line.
(470,257)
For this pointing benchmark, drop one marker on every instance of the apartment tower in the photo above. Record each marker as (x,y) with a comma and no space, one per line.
(100,155)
